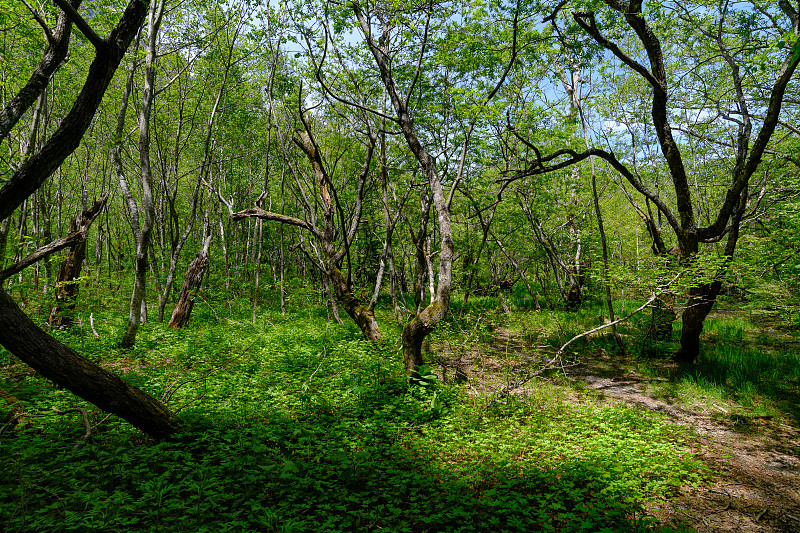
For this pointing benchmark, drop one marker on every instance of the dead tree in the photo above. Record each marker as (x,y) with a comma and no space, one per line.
(191,286)
(70,269)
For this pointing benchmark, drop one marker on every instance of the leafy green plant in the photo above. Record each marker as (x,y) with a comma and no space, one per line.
(294,425)
(423,377)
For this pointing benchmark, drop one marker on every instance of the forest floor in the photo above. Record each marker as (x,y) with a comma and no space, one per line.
(755,460)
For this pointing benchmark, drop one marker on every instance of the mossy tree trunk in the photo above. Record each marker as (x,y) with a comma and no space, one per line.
(415,331)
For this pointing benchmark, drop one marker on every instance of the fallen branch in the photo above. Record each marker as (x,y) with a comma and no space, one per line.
(41,253)
(86,437)
(557,357)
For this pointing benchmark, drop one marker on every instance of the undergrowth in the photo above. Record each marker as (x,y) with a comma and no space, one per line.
(736,373)
(295,424)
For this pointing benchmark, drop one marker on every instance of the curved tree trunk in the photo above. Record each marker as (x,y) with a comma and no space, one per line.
(61,364)
(363,315)
(415,331)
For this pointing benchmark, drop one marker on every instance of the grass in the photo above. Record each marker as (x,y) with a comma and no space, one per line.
(736,372)
(296,424)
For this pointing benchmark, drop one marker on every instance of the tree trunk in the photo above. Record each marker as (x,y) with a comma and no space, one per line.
(138,302)
(59,363)
(701,300)
(362,315)
(191,286)
(18,333)
(415,331)
(70,269)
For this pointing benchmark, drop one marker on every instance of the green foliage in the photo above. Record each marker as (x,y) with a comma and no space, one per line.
(293,424)
(739,372)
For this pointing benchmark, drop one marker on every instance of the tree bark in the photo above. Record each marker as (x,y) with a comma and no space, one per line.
(137,307)
(191,286)
(59,363)
(53,58)
(70,269)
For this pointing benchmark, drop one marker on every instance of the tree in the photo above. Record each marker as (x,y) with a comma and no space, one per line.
(69,271)
(373,22)
(18,333)
(325,233)
(720,33)
(143,231)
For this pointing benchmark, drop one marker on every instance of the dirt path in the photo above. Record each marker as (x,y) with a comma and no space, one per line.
(756,461)
(758,486)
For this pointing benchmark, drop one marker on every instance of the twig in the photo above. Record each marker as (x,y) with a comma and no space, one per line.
(49,34)
(86,437)
(170,391)
(557,357)
(198,295)
(109,415)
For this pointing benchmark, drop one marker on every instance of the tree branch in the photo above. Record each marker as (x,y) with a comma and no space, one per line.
(257,212)
(98,42)
(51,40)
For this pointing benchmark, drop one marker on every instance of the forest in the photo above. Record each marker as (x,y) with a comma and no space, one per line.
(399,265)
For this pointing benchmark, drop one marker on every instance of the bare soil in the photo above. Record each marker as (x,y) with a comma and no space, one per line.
(755,460)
